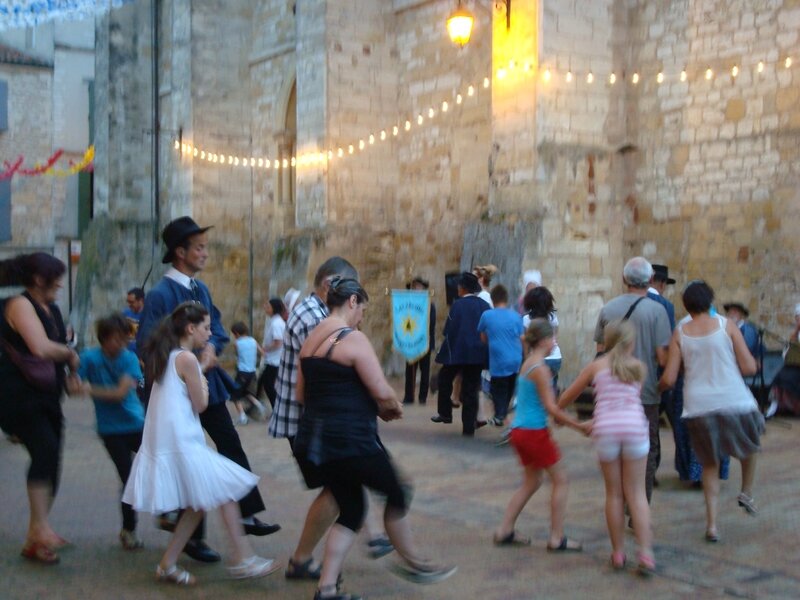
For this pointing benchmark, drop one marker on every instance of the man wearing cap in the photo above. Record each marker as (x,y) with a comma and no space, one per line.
(738,313)
(462,351)
(658,286)
(187,251)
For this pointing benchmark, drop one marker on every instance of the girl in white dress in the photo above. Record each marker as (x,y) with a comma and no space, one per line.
(174,468)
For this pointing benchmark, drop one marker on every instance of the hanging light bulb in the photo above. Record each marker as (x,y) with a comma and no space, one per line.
(635,78)
(407,125)
(395,130)
(709,74)
(360,144)
(340,152)
(236,161)
(177,145)
(470,91)
(760,67)
(260,162)
(612,79)
(230,159)
(202,155)
(526,67)
(431,113)
(330,154)
(735,71)
(660,77)
(547,75)
(420,119)
(590,78)
(266,163)
(458,99)
(383,134)
(444,106)
(350,149)
(512,64)
(285,163)
(501,73)
(486,82)
(683,75)
(371,139)
(788,62)
(569,77)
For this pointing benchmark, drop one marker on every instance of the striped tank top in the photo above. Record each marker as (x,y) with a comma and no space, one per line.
(618,408)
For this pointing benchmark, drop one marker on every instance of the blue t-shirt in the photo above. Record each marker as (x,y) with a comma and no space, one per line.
(246,354)
(503,327)
(98,369)
(531,413)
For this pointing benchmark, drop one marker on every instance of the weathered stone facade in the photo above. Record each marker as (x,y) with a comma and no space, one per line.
(570,177)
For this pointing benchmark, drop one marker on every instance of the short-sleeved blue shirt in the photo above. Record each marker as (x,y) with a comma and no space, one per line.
(98,369)
(246,354)
(503,328)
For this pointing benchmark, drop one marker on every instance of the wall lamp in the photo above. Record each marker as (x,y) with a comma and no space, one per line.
(459,23)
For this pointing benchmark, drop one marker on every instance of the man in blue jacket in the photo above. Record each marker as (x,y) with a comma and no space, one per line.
(187,251)
(463,352)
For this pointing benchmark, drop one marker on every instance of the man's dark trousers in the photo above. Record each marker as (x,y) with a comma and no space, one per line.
(470,385)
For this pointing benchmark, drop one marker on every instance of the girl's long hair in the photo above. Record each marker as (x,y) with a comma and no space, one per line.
(538,330)
(539,303)
(619,338)
(166,337)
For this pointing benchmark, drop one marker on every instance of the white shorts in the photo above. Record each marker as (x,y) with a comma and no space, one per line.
(610,447)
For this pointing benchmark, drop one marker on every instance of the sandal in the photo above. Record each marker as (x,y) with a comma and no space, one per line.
(566,545)
(337,596)
(39,552)
(712,536)
(618,561)
(303,570)
(647,565)
(253,567)
(512,539)
(176,575)
(747,503)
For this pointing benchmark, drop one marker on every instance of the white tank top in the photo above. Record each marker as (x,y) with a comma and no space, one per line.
(713,382)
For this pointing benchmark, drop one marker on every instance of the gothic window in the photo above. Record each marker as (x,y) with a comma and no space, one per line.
(287,143)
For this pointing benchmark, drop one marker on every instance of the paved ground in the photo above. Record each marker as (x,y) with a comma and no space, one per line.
(462,486)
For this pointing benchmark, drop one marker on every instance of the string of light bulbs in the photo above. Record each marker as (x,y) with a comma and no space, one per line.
(458,97)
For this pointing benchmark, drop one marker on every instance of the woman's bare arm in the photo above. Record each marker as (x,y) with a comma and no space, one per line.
(747,364)
(673,364)
(188,368)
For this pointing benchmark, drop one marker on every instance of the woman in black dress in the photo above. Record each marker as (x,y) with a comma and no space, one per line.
(30,408)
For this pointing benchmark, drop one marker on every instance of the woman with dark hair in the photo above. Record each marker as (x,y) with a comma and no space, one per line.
(540,304)
(271,345)
(31,327)
(343,390)
(720,412)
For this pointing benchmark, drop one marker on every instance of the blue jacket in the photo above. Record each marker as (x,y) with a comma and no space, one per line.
(462,343)
(670,308)
(165,296)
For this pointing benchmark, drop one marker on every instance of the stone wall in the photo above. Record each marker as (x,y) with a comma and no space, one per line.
(717,192)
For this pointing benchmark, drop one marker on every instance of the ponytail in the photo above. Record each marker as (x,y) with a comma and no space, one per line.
(619,337)
(166,337)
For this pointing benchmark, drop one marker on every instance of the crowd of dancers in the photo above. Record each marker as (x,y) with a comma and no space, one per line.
(327,391)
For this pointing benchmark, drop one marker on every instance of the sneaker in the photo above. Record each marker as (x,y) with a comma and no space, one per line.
(379,547)
(747,503)
(440,419)
(504,440)
(423,574)
(129,540)
(242,420)
(253,567)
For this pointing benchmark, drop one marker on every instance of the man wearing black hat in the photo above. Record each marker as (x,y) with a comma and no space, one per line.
(424,363)
(187,251)
(738,313)
(658,286)
(462,351)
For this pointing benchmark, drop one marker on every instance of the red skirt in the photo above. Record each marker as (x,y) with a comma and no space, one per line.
(535,447)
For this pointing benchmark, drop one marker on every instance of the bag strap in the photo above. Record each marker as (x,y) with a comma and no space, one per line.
(632,308)
(532,367)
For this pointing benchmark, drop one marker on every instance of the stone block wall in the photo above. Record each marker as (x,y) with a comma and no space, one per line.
(717,191)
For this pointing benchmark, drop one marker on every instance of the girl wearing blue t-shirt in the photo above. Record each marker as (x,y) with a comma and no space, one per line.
(531,440)
(111,374)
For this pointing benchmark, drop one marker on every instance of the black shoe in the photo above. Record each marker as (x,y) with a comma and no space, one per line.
(423,401)
(199,550)
(407,401)
(441,419)
(260,528)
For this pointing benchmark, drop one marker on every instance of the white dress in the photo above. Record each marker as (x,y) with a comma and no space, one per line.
(174,468)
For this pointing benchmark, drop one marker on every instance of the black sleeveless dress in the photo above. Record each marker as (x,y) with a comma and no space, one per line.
(339,418)
(19,400)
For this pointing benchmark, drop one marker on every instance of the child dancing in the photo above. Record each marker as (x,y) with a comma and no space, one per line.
(174,467)
(531,439)
(621,439)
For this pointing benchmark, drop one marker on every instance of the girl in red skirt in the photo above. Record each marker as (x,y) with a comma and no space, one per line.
(531,440)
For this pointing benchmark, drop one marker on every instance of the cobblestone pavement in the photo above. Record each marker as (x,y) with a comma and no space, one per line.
(462,486)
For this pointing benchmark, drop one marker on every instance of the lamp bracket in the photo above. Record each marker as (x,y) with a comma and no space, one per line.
(499,4)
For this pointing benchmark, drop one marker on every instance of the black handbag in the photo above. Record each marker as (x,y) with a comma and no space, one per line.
(39,372)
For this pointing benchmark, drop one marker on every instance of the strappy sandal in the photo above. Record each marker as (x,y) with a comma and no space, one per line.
(748,504)
(253,567)
(647,565)
(512,539)
(618,561)
(176,575)
(303,570)
(39,552)
(566,545)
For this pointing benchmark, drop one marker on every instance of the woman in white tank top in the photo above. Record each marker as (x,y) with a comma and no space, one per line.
(720,412)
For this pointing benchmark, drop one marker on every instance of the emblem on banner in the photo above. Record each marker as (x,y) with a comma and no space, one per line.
(410,318)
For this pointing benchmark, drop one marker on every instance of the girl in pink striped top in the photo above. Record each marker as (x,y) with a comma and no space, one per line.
(621,439)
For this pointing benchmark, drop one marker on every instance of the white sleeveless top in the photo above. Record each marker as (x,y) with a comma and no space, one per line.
(713,382)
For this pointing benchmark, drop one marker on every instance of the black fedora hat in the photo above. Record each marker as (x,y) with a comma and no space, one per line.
(661,273)
(176,232)
(738,306)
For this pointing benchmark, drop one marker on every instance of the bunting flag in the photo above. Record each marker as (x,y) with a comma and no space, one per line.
(410,323)
(48,168)
(27,13)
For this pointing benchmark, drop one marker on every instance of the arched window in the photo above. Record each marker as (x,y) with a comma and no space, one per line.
(286,148)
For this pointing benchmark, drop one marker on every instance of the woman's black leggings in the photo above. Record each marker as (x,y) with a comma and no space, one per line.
(41,430)
(267,383)
(346,479)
